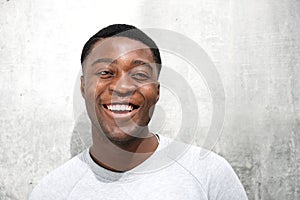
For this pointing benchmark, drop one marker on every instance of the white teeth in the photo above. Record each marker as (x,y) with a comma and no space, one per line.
(120,107)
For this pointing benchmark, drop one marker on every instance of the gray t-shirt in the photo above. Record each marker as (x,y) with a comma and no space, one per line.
(174,171)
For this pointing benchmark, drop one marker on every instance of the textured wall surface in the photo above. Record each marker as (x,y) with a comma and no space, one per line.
(255,46)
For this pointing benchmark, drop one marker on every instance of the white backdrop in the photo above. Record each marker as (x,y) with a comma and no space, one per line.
(253,44)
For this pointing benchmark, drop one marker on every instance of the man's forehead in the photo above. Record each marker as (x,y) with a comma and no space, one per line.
(119,44)
(118,47)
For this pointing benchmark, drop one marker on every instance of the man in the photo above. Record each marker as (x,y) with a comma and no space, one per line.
(121,66)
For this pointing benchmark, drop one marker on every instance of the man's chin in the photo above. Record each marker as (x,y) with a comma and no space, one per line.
(123,134)
(120,138)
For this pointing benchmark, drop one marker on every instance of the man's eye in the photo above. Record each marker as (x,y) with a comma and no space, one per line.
(141,76)
(105,74)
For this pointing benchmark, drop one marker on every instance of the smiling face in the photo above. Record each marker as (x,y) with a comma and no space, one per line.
(120,88)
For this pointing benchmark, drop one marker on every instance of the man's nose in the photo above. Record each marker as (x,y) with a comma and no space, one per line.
(124,86)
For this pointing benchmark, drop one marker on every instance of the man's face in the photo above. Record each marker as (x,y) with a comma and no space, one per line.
(120,87)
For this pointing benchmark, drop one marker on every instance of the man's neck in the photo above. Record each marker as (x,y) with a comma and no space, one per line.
(121,156)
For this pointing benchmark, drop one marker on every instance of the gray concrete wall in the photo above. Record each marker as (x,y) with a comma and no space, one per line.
(255,47)
(253,44)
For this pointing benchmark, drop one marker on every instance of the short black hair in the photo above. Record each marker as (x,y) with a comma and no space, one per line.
(122,30)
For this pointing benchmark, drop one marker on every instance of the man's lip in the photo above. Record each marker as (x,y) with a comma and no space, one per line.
(121,101)
(127,115)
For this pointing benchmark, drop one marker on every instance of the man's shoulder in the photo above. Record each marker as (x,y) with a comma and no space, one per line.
(59,182)
(212,171)
(193,155)
(204,157)
(205,164)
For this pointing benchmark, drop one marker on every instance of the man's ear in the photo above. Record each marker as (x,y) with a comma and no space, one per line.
(158,91)
(82,86)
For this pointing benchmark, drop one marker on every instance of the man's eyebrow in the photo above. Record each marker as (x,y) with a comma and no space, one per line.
(140,62)
(104,60)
